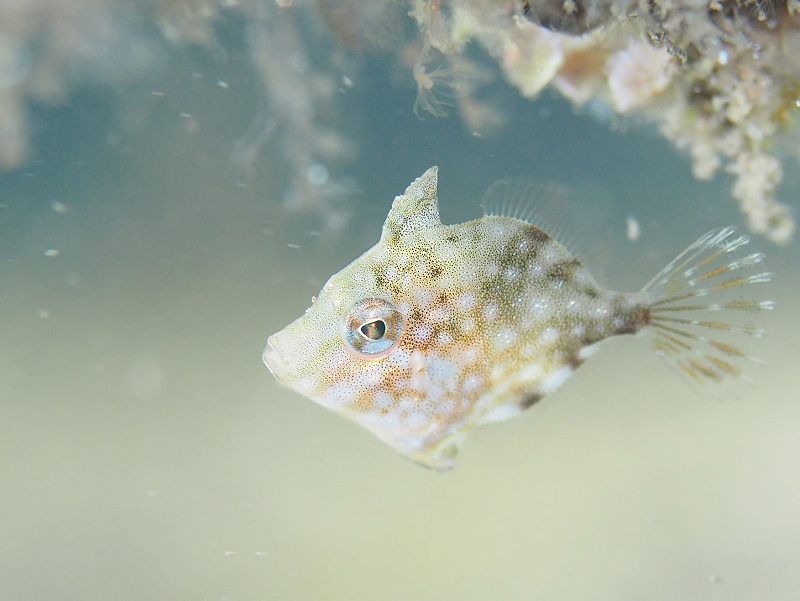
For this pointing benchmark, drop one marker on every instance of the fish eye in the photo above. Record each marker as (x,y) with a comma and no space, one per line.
(372,328)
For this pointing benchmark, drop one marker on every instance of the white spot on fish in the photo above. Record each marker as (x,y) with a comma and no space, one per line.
(400,358)
(504,339)
(416,419)
(424,297)
(555,379)
(465,301)
(467,325)
(471,384)
(417,360)
(421,333)
(502,413)
(531,373)
(540,308)
(383,400)
(548,337)
(438,315)
(406,403)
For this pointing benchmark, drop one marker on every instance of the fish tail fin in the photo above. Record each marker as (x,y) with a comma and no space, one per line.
(702,310)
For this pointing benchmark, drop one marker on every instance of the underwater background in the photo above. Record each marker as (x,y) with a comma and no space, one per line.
(147,454)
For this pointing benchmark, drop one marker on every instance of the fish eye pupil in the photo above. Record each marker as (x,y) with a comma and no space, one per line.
(374,330)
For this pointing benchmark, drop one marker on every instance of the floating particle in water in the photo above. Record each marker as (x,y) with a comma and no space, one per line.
(190,124)
(223,84)
(59,207)
(293,245)
(632,228)
(52,252)
(317,175)
(43,314)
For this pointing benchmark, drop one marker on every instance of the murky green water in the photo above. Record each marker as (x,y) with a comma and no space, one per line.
(147,453)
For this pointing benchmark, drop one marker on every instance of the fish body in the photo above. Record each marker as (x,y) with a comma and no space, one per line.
(440,328)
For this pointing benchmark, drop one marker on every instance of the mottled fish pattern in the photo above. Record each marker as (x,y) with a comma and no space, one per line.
(440,328)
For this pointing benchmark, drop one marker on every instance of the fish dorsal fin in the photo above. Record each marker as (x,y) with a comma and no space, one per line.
(582,228)
(417,208)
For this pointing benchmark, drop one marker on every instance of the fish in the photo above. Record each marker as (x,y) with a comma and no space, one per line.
(439,329)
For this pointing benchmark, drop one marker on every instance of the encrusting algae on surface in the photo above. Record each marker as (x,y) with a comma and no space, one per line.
(440,328)
(719,79)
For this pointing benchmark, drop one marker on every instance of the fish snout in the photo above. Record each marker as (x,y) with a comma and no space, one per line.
(273,359)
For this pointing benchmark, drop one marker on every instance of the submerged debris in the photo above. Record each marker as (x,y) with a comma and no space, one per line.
(721,80)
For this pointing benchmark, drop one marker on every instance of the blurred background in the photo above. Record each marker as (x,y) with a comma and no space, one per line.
(159,219)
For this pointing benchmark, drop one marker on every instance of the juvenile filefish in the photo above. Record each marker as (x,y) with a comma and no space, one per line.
(440,328)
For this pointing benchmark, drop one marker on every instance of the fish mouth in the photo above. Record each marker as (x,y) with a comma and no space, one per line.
(273,359)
